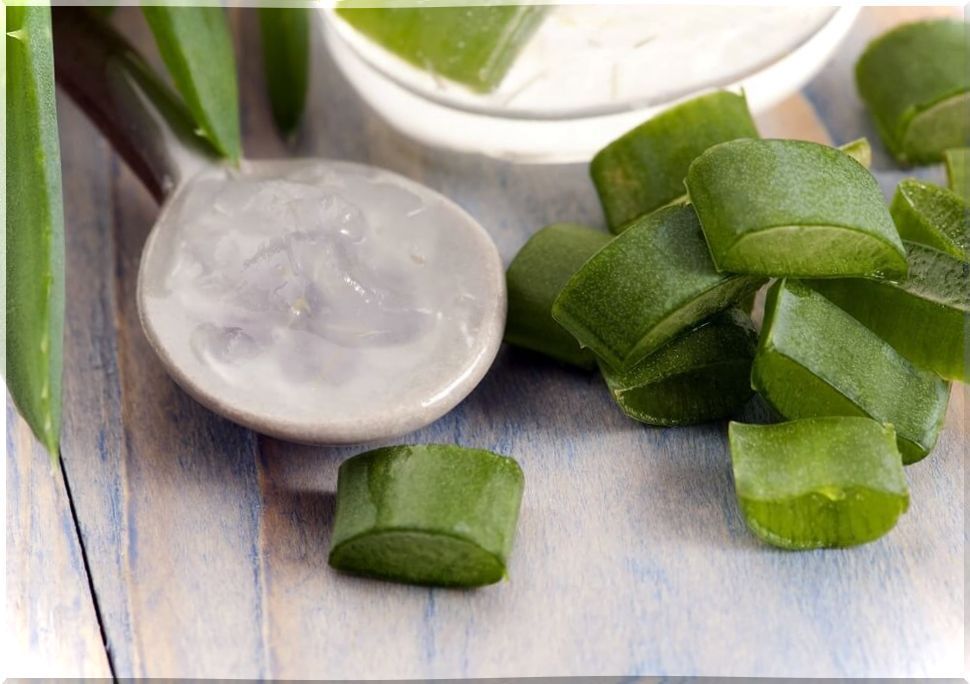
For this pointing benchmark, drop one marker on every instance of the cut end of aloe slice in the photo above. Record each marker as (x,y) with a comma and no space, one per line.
(932,131)
(958,172)
(933,216)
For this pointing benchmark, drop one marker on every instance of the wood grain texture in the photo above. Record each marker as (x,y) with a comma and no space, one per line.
(208,544)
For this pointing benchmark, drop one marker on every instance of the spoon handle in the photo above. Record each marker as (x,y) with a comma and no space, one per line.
(145,121)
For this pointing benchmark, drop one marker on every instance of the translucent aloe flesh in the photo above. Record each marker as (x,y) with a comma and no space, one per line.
(426,514)
(793,208)
(916,84)
(814,359)
(644,169)
(932,216)
(699,376)
(475,46)
(926,318)
(535,277)
(649,284)
(818,482)
(860,150)
(958,171)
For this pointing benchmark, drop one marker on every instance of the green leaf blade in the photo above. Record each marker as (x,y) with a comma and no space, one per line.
(285,35)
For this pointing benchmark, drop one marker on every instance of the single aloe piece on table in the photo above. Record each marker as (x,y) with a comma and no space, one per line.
(818,482)
(285,35)
(34,225)
(429,514)
(814,359)
(535,277)
(789,207)
(699,376)
(475,46)
(932,216)
(916,84)
(196,47)
(649,284)
(958,171)
(645,168)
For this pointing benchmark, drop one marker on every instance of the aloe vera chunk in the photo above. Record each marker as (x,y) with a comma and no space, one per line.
(644,169)
(860,150)
(958,171)
(475,46)
(535,277)
(434,514)
(793,208)
(650,283)
(699,376)
(814,359)
(818,482)
(932,216)
(916,83)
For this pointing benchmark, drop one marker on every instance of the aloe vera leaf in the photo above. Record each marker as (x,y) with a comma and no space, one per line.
(35,225)
(926,317)
(699,376)
(932,216)
(958,171)
(814,359)
(475,46)
(285,34)
(916,83)
(818,482)
(196,47)
(650,283)
(534,279)
(432,514)
(793,208)
(644,169)
(860,150)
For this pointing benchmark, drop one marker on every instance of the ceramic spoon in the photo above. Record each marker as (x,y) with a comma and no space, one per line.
(314,300)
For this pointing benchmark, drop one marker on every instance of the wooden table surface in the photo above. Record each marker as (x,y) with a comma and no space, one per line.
(171,543)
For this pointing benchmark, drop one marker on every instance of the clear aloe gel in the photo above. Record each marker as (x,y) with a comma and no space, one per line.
(933,216)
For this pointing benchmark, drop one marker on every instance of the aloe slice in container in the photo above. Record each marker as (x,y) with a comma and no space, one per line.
(814,359)
(699,376)
(644,169)
(430,514)
(926,318)
(789,207)
(932,216)
(475,46)
(916,84)
(818,482)
(958,171)
(536,275)
(650,283)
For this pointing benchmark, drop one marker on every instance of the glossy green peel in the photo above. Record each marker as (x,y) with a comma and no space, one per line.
(814,359)
(649,284)
(699,376)
(430,514)
(818,482)
(958,171)
(535,277)
(793,208)
(932,216)
(644,169)
(916,83)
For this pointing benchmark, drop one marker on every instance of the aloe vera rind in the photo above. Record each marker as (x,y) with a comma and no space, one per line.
(793,208)
(535,277)
(926,318)
(860,150)
(958,171)
(699,376)
(474,46)
(433,514)
(932,216)
(650,283)
(644,169)
(818,482)
(916,84)
(814,359)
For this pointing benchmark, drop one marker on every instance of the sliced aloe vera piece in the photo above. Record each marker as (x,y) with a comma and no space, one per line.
(699,376)
(535,277)
(926,318)
(932,216)
(916,84)
(789,207)
(432,514)
(650,283)
(860,150)
(644,169)
(814,359)
(818,482)
(474,46)
(958,171)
